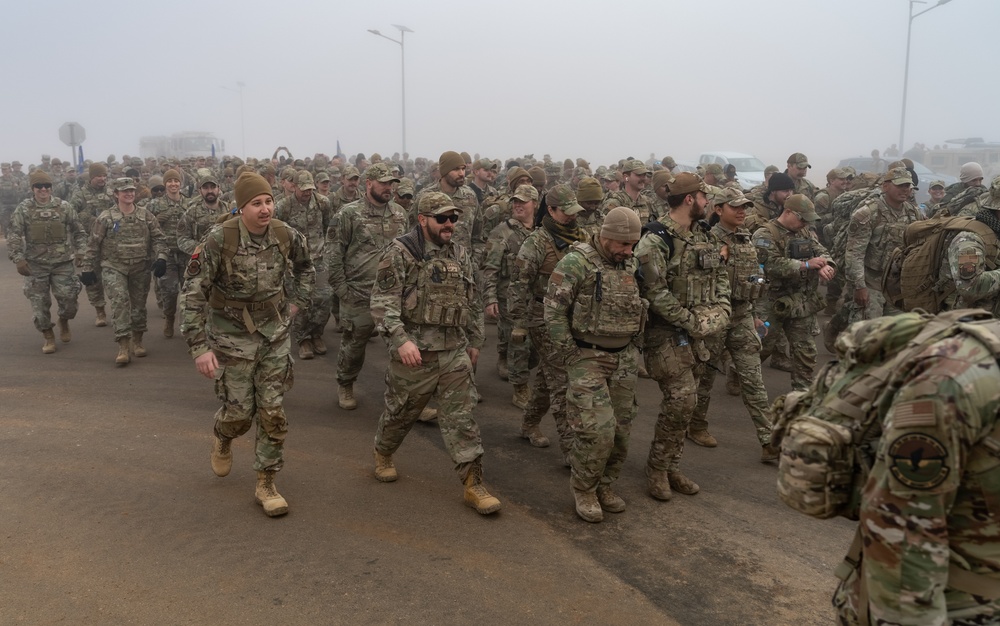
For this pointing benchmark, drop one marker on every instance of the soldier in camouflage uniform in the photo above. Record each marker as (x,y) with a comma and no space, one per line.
(686,284)
(361,231)
(741,336)
(348,191)
(427,306)
(469,230)
(661,182)
(311,215)
(631,195)
(960,198)
(11,194)
(927,549)
(529,281)
(973,264)
(797,167)
(236,316)
(794,262)
(590,195)
(837,182)
(123,245)
(498,207)
(168,210)
(484,173)
(43,239)
(876,229)
(89,202)
(595,316)
(936,192)
(201,215)
(501,250)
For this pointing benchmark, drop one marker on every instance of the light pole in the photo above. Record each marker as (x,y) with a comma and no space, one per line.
(906,72)
(243,119)
(402,56)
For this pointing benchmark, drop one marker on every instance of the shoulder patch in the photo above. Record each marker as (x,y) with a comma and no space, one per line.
(762,242)
(556,279)
(914,414)
(917,461)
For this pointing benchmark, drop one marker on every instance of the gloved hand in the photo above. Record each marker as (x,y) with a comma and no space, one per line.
(23,269)
(88,278)
(159,267)
(518,335)
(708,321)
(78,260)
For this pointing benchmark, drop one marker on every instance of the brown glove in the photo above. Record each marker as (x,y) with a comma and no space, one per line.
(23,269)
(708,321)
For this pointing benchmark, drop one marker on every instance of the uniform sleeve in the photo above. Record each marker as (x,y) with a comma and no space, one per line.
(77,233)
(777,266)
(967,262)
(185,242)
(523,273)
(387,297)
(564,285)
(475,331)
(15,235)
(156,237)
(859,234)
(341,228)
(493,256)
(92,257)
(195,292)
(303,271)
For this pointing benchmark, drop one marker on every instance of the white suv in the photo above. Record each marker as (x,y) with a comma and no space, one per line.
(749,169)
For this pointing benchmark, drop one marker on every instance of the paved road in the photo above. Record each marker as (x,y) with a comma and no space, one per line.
(111,514)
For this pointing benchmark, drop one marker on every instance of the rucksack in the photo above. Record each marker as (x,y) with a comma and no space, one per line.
(828,435)
(912,277)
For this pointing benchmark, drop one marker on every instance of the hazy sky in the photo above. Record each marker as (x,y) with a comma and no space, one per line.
(589,78)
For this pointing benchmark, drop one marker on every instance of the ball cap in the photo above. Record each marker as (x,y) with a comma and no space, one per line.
(731,196)
(635,165)
(304,181)
(381,172)
(525,193)
(804,207)
(563,197)
(685,183)
(122,184)
(799,159)
(898,176)
(436,203)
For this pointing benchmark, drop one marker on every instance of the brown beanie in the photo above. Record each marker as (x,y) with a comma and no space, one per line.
(449,161)
(537,175)
(621,224)
(589,189)
(662,177)
(248,186)
(170,175)
(517,172)
(39,177)
(98,169)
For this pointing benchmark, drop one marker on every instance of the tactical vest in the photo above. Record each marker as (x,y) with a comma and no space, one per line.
(127,237)
(9,193)
(888,237)
(745,276)
(553,255)
(694,283)
(798,248)
(614,308)
(442,293)
(46,224)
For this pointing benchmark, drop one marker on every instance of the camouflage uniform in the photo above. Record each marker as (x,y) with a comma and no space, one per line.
(88,203)
(928,520)
(443,317)
(312,221)
(47,237)
(961,200)
(740,337)
(243,317)
(196,221)
(469,229)
(12,192)
(975,274)
(642,205)
(123,247)
(361,233)
(596,340)
(168,214)
(498,259)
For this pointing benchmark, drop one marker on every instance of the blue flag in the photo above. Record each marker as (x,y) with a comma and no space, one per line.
(79,161)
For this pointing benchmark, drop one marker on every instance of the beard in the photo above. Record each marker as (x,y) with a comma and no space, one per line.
(211,198)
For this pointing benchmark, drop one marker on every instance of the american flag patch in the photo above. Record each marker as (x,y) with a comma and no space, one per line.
(915,413)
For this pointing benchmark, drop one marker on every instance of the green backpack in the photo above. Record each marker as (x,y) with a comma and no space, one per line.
(829,434)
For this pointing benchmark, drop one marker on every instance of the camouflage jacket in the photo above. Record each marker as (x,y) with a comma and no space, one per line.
(312,220)
(122,242)
(957,196)
(763,212)
(496,212)
(875,230)
(529,279)
(361,231)
(168,213)
(742,266)
(258,275)
(824,200)
(642,205)
(12,191)
(338,199)
(501,250)
(804,186)
(397,294)
(46,234)
(788,275)
(969,269)
(469,229)
(195,223)
(88,204)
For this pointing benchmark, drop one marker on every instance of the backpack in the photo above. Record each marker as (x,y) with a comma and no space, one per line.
(912,276)
(828,435)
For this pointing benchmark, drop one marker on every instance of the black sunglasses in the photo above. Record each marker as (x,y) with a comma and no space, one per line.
(441,219)
(43,186)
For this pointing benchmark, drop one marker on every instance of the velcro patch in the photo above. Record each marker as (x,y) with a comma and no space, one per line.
(918,461)
(194,267)
(914,414)
(556,279)
(763,242)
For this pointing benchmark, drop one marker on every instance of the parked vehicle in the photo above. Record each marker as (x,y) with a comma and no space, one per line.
(749,169)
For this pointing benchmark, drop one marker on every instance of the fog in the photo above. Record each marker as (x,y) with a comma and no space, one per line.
(581,78)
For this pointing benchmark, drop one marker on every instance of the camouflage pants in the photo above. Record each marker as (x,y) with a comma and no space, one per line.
(312,322)
(601,398)
(357,324)
(674,369)
(256,387)
(448,374)
(549,389)
(518,355)
(877,306)
(168,286)
(127,293)
(60,281)
(743,343)
(95,292)
(802,347)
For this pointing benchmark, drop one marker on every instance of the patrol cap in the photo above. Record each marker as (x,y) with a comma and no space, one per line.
(937,183)
(562,197)
(16,163)
(335,170)
(798,159)
(897,176)
(436,203)
(685,183)
(803,206)
(662,177)
(485,164)
(351,172)
(609,175)
(713,168)
(404,188)
(581,162)
(589,189)
(525,193)
(268,168)
(122,184)
(304,181)
(732,196)
(836,173)
(621,224)
(850,171)
(288,174)
(771,169)
(380,172)
(322,176)
(634,165)
(207,176)
(668,162)
(5,165)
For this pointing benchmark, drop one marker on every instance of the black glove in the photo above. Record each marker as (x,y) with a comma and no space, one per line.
(159,267)
(88,278)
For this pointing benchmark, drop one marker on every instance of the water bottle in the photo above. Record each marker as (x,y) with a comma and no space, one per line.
(762,330)
(682,338)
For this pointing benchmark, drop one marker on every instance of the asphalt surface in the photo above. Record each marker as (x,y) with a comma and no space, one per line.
(111,513)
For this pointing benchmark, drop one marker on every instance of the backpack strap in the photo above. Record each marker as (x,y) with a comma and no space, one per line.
(660,231)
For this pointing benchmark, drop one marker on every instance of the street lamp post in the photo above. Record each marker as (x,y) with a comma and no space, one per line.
(402,55)
(243,119)
(906,72)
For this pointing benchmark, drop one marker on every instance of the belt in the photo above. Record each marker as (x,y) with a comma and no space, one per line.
(594,346)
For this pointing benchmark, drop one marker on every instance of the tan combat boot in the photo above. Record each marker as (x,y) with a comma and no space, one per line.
(168,326)
(50,341)
(534,436)
(428,415)
(64,335)
(123,357)
(137,346)
(476,495)
(769,453)
(702,438)
(385,470)
(222,456)
(682,484)
(587,506)
(502,370)
(345,397)
(102,317)
(306,350)
(610,501)
(319,346)
(522,396)
(268,497)
(657,484)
